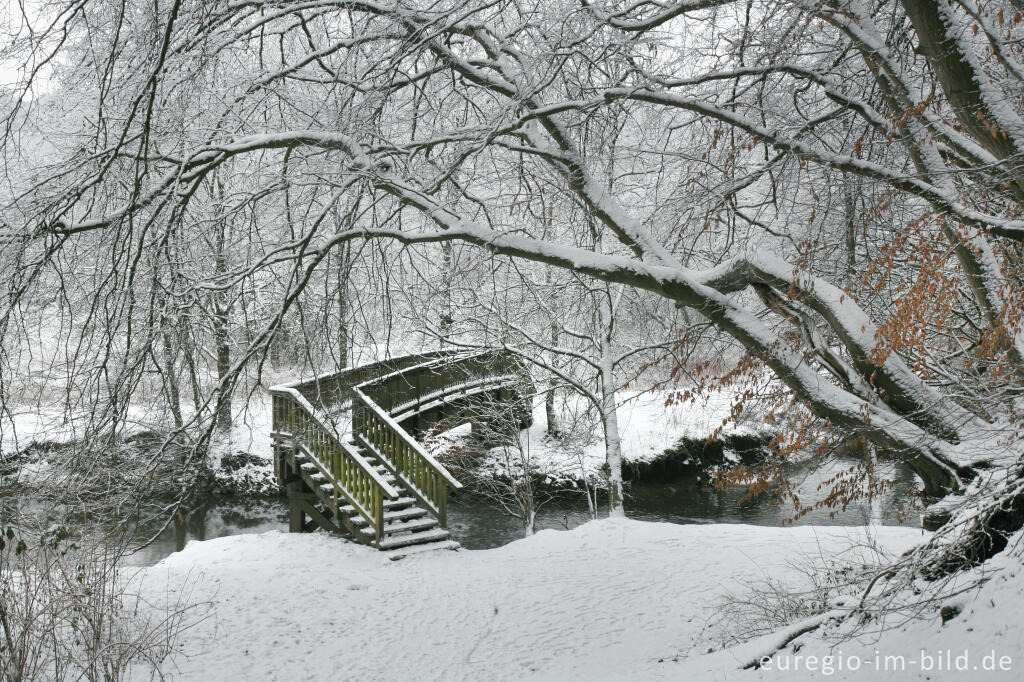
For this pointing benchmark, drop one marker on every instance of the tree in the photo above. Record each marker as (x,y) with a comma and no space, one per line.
(732,205)
(589,337)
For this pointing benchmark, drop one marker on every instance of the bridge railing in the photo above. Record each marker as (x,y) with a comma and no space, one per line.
(335,388)
(379,403)
(419,472)
(419,385)
(351,476)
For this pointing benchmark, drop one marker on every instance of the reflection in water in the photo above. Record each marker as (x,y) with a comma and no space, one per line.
(217,518)
(478,525)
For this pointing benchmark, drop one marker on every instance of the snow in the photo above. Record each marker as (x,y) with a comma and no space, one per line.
(250,432)
(23,427)
(984,642)
(603,601)
(28,424)
(647,427)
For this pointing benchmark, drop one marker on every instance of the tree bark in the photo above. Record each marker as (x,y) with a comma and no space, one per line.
(221,321)
(344,270)
(171,375)
(612,440)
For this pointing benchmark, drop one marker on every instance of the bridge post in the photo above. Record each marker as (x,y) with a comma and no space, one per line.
(281,469)
(296,516)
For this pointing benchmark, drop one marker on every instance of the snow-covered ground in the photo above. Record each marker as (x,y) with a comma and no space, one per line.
(647,427)
(24,426)
(29,424)
(250,432)
(611,600)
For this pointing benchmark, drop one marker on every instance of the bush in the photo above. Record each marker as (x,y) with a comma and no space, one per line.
(66,612)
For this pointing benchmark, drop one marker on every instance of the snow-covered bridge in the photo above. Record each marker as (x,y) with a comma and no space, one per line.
(345,445)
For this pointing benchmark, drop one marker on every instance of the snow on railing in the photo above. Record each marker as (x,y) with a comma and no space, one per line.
(398,451)
(351,476)
(429,401)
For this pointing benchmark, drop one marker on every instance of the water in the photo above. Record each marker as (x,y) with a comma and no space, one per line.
(477,524)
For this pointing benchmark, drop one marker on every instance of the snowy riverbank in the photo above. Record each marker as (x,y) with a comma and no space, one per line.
(649,425)
(610,600)
(241,460)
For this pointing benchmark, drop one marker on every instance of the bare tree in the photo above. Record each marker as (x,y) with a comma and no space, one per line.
(729,207)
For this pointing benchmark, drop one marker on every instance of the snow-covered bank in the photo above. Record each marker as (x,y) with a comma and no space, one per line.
(983,640)
(647,427)
(606,601)
(241,460)
(650,426)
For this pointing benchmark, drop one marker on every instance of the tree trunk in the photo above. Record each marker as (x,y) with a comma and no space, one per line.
(612,441)
(221,319)
(344,270)
(188,348)
(554,429)
(850,220)
(445,323)
(221,341)
(171,376)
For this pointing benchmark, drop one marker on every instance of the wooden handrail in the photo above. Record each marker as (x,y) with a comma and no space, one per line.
(413,443)
(473,367)
(351,376)
(351,476)
(399,411)
(399,452)
(329,432)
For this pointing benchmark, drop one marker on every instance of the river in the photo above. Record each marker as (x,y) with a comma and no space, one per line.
(477,524)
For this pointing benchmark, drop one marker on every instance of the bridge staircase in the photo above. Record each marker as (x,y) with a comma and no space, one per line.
(343,453)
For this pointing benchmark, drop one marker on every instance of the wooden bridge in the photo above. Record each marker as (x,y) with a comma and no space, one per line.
(345,448)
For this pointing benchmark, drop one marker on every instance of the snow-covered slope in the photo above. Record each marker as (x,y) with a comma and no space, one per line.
(605,601)
(984,642)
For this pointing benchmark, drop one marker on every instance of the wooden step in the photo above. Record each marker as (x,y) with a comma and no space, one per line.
(406,525)
(401,553)
(395,541)
(316,481)
(411,526)
(400,503)
(391,516)
(314,471)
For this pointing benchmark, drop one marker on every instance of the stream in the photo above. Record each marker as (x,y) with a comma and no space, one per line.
(478,524)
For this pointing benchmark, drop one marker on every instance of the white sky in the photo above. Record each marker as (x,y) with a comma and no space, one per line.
(13,26)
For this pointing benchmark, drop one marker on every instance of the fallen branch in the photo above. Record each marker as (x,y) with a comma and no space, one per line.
(782,638)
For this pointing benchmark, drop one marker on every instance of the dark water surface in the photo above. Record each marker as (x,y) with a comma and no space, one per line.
(478,524)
